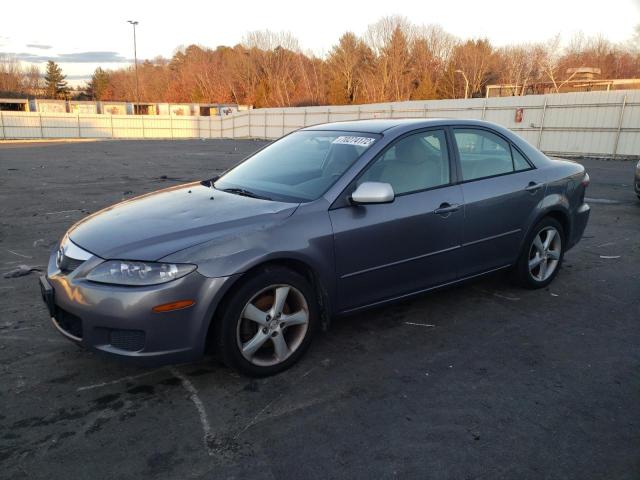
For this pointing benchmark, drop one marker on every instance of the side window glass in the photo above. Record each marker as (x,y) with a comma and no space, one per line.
(482,153)
(414,163)
(519,162)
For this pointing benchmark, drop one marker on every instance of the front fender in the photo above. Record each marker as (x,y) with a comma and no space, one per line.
(305,237)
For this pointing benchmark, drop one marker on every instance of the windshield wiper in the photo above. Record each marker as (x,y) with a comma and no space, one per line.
(245,193)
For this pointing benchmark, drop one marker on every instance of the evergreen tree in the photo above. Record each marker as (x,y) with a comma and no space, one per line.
(98,84)
(55,81)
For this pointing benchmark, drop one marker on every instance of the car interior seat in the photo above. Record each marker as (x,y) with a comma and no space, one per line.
(414,168)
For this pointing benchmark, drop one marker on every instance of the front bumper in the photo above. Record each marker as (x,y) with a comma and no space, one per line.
(119,320)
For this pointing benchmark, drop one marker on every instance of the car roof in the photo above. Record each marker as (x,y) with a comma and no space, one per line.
(398,126)
(382,125)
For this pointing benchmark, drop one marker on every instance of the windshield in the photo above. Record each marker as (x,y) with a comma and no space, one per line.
(297,168)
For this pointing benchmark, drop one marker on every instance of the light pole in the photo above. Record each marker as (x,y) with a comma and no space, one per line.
(135,59)
(466,84)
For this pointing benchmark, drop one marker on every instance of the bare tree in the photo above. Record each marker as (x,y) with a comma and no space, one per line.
(10,76)
(273,52)
(32,81)
(394,60)
(389,39)
(551,64)
(518,67)
(472,61)
(431,51)
(346,65)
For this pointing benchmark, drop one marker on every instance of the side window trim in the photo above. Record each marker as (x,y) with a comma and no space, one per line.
(456,152)
(454,158)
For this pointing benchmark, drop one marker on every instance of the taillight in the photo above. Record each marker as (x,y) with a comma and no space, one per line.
(585,180)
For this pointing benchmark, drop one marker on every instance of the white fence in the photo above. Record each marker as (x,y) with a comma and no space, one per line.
(586,123)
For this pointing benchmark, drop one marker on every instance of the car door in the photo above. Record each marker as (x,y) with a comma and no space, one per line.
(388,250)
(501,189)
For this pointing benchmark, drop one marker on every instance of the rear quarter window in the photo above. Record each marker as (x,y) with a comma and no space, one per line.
(519,162)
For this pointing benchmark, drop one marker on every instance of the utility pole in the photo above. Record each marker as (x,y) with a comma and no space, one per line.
(135,59)
(466,84)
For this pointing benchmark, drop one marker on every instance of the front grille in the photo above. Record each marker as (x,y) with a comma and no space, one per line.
(69,322)
(68,264)
(130,340)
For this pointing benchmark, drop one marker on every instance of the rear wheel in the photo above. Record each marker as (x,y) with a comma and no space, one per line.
(268,323)
(542,254)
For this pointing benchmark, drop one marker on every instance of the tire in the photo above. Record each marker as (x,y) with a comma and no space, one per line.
(538,263)
(252,328)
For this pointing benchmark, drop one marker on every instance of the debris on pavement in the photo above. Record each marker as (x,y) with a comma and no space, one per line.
(610,257)
(498,295)
(19,254)
(420,324)
(63,211)
(506,297)
(22,271)
(607,244)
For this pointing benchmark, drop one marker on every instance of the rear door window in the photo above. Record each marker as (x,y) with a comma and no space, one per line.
(484,154)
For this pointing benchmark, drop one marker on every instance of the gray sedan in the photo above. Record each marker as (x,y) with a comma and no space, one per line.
(328,220)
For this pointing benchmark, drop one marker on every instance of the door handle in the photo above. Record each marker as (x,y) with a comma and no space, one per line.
(533,187)
(446,208)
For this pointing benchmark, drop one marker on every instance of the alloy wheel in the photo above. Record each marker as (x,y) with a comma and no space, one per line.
(272,325)
(544,253)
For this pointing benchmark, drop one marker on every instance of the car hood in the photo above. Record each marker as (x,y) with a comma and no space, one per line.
(157,224)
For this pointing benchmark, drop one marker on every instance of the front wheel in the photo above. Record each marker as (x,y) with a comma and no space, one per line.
(268,323)
(542,254)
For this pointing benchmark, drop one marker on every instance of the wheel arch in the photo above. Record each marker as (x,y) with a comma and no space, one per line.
(297,265)
(563,219)
(559,213)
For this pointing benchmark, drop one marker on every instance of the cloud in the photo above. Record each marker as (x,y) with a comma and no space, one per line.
(92,57)
(39,45)
(80,57)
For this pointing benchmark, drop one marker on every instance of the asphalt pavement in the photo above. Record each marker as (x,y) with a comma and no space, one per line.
(482,381)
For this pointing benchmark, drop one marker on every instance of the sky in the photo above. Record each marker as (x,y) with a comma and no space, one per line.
(80,39)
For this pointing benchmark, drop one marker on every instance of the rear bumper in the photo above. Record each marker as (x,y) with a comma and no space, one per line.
(580,220)
(119,321)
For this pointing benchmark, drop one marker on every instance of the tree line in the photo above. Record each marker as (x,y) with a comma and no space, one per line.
(394,60)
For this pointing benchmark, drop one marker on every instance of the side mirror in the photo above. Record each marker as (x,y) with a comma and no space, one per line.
(373,192)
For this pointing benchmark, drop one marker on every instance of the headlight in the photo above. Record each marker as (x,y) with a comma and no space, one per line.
(123,272)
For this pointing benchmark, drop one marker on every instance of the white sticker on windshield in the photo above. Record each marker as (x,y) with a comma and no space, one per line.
(358,141)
